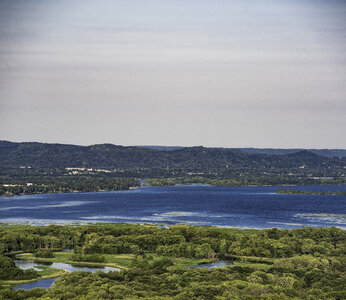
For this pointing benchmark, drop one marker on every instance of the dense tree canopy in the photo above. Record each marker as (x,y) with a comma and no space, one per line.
(305,263)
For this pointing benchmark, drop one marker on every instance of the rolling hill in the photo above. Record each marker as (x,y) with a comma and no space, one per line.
(42,155)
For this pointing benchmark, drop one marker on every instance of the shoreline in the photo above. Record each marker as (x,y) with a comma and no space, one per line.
(15,283)
(97,223)
(28,256)
(132,188)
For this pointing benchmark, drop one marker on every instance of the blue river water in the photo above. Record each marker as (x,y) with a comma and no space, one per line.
(242,207)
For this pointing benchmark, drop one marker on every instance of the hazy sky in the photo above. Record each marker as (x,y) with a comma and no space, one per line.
(175,72)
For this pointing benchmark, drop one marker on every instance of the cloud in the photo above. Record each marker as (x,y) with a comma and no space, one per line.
(86,66)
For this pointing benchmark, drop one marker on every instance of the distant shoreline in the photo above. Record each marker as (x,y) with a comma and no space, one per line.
(299,192)
(162,182)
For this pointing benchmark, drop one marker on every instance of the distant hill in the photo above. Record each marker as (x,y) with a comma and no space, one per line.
(273,151)
(162,148)
(270,151)
(111,156)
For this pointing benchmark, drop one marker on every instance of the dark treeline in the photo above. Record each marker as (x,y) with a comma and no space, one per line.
(306,263)
(68,185)
(288,191)
(177,241)
(314,176)
(243,181)
(37,181)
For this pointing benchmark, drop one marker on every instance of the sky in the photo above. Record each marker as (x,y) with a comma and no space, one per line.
(217,73)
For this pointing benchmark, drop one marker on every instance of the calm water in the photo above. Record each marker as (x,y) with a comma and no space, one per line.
(26,264)
(45,283)
(217,264)
(244,207)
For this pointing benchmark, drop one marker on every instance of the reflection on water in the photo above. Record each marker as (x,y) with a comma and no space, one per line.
(45,283)
(218,264)
(25,264)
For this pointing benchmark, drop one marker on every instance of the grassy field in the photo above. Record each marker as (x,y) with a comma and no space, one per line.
(257,266)
(10,227)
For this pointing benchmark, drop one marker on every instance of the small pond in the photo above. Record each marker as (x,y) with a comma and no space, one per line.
(216,264)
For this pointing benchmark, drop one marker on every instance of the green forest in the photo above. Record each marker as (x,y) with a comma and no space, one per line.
(70,185)
(191,159)
(36,168)
(305,263)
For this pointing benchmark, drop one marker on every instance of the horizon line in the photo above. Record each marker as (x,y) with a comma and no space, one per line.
(172,146)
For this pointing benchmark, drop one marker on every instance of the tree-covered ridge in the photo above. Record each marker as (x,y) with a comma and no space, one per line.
(30,168)
(273,151)
(270,151)
(22,163)
(110,156)
(305,263)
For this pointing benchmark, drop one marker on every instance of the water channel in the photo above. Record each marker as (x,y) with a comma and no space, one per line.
(25,264)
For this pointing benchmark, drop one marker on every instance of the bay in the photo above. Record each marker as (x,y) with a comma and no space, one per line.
(241,207)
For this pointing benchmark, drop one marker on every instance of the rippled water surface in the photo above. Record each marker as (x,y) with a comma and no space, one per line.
(244,207)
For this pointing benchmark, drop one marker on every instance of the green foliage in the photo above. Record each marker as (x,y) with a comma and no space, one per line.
(305,263)
(147,280)
(88,258)
(10,272)
(44,254)
(177,241)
